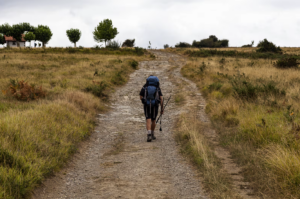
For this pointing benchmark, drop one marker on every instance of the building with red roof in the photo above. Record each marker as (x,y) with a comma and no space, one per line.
(12,42)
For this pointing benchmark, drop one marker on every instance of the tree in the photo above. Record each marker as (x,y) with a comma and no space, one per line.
(43,34)
(17,30)
(267,46)
(105,31)
(29,36)
(2,40)
(74,35)
(5,28)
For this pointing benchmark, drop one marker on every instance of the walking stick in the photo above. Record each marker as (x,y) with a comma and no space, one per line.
(161,114)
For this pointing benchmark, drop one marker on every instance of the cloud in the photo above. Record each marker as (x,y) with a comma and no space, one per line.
(163,22)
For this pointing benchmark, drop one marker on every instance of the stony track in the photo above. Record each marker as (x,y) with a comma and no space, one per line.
(117,162)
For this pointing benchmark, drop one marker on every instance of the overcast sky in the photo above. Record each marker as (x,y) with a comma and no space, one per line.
(163,21)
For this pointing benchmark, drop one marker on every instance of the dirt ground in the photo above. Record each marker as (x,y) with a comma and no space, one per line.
(117,162)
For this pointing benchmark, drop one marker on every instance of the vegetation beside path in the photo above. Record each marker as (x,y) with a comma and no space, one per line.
(48,105)
(189,133)
(254,107)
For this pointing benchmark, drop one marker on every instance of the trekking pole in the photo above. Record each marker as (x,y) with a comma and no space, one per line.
(163,109)
(160,129)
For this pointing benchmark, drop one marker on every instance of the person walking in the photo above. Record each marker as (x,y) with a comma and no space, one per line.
(151,97)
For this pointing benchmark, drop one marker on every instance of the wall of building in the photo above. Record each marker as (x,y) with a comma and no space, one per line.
(14,44)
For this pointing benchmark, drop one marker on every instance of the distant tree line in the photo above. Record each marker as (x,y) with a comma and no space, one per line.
(41,32)
(103,32)
(211,42)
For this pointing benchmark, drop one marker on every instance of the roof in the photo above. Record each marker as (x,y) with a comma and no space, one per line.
(10,38)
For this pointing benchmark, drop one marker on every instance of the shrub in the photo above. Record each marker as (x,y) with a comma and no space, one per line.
(211,42)
(152,56)
(222,61)
(71,50)
(215,86)
(97,89)
(246,90)
(97,47)
(166,46)
(21,90)
(139,51)
(113,44)
(266,46)
(248,45)
(128,43)
(134,64)
(183,45)
(81,47)
(287,63)
(118,78)
(202,67)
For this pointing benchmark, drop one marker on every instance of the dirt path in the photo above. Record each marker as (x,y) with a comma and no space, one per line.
(117,162)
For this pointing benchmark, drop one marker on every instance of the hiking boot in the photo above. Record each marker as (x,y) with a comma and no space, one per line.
(153,137)
(149,138)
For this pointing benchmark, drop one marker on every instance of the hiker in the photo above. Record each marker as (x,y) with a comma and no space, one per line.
(151,97)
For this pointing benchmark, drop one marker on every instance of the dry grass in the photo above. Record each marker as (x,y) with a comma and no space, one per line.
(194,143)
(286,50)
(38,137)
(262,131)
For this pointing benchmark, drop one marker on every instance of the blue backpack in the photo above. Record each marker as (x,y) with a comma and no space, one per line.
(151,91)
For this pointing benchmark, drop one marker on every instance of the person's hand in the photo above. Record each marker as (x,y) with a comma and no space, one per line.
(162,112)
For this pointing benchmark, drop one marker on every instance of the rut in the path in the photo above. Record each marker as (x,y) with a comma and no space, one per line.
(117,162)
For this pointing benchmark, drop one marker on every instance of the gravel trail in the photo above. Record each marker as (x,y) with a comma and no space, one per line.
(117,162)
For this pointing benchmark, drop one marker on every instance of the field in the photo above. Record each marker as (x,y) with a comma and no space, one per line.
(48,104)
(254,106)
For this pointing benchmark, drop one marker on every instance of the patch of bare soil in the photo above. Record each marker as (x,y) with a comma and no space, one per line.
(117,162)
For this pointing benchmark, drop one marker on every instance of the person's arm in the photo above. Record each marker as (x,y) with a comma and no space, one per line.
(161,104)
(141,97)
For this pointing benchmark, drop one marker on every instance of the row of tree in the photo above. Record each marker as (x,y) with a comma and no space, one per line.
(104,32)
(41,32)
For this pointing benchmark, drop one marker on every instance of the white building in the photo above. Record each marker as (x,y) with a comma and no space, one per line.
(12,42)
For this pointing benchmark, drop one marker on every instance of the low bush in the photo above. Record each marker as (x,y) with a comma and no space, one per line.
(139,51)
(266,46)
(152,56)
(118,78)
(245,89)
(97,89)
(134,64)
(248,45)
(113,44)
(183,45)
(166,46)
(211,42)
(21,90)
(235,53)
(215,86)
(128,43)
(287,63)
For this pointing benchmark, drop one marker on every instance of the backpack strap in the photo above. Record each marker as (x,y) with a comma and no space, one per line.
(145,94)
